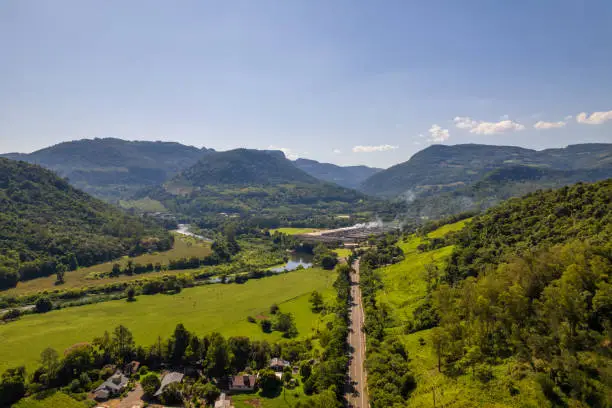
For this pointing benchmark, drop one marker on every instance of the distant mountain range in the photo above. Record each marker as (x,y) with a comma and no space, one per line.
(441,168)
(113,168)
(439,180)
(346,176)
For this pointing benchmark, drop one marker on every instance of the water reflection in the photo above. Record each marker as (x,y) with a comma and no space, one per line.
(295,260)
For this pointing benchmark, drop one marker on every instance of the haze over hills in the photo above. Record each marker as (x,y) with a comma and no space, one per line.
(44,222)
(440,168)
(113,168)
(346,176)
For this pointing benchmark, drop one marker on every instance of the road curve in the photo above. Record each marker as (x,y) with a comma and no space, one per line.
(357,391)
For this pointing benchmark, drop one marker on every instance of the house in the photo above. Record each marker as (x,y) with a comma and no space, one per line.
(244,382)
(170,378)
(277,364)
(113,386)
(223,402)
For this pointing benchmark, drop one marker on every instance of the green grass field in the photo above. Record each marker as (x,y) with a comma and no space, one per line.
(285,399)
(404,289)
(183,247)
(342,252)
(57,400)
(144,204)
(295,231)
(203,309)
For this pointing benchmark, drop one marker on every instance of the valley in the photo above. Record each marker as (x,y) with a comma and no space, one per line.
(246,250)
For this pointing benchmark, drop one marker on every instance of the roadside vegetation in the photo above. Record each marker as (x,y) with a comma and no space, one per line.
(511,308)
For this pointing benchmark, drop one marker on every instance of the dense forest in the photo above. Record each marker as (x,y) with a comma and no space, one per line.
(528,284)
(47,226)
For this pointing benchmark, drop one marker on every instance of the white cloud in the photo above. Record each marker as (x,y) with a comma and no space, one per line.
(370,149)
(568,117)
(549,125)
(595,118)
(487,128)
(337,151)
(437,134)
(289,153)
(464,122)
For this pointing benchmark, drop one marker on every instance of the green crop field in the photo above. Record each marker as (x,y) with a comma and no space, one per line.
(183,247)
(342,252)
(295,231)
(57,400)
(222,308)
(404,290)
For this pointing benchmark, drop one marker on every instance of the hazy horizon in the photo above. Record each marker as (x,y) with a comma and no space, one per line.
(342,82)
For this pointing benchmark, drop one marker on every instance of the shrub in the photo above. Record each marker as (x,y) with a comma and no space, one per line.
(43,305)
(150,383)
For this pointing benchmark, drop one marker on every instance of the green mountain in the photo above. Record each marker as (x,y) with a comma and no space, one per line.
(440,168)
(496,186)
(114,168)
(45,222)
(256,184)
(527,297)
(345,176)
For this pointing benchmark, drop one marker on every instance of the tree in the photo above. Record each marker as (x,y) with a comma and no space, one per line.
(439,340)
(172,394)
(150,384)
(240,350)
(210,393)
(43,305)
(49,360)
(268,382)
(274,309)
(116,270)
(12,386)
(217,356)
(266,325)
(316,301)
(60,271)
(286,324)
(131,293)
(180,342)
(122,344)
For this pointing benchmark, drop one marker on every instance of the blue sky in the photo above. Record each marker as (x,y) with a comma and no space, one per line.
(344,81)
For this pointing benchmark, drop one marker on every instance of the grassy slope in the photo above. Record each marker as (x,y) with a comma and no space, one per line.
(57,400)
(203,309)
(183,247)
(404,289)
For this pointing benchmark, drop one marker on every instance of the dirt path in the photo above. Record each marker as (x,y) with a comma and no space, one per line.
(357,392)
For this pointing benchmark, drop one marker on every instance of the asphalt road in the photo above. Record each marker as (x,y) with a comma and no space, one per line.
(357,393)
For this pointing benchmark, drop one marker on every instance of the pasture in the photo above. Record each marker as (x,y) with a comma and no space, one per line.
(203,309)
(184,247)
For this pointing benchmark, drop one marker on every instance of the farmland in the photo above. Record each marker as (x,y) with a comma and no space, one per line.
(184,247)
(222,308)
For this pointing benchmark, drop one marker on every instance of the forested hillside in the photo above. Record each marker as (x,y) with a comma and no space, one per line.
(48,226)
(441,168)
(528,287)
(496,186)
(113,168)
(257,184)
